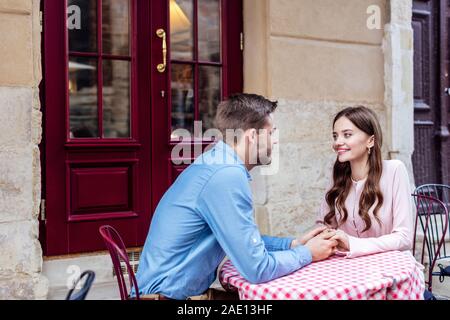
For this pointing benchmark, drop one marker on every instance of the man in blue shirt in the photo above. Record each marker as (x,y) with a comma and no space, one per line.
(207,214)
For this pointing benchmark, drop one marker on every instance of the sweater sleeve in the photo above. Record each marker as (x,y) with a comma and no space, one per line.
(401,237)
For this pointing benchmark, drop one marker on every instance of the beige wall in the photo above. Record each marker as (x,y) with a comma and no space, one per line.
(20,134)
(316,57)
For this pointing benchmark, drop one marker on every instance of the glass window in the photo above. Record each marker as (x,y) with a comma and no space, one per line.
(82,25)
(116,27)
(196,62)
(181,29)
(116,99)
(182,98)
(83,92)
(210,84)
(99,68)
(209,30)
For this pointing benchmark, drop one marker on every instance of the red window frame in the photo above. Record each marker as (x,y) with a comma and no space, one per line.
(231,50)
(100,56)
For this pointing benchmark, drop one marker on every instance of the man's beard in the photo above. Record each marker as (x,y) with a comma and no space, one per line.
(265,159)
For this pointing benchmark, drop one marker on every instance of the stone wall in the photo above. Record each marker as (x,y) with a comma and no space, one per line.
(315,58)
(20,135)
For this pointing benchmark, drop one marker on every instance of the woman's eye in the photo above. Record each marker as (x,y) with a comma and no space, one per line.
(347,135)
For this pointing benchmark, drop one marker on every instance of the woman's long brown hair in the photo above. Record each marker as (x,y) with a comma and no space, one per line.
(365,120)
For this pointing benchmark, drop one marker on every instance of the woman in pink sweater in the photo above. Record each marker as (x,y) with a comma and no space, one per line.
(368,201)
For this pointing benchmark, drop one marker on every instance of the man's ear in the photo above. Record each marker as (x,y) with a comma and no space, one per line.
(251,135)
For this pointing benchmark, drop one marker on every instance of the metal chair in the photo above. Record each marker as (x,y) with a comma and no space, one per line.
(437,191)
(432,216)
(441,192)
(88,277)
(119,257)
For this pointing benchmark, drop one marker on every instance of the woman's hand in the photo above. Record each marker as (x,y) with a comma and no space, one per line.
(342,238)
(308,236)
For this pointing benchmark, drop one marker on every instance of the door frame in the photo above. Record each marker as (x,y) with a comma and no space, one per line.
(157,146)
(134,152)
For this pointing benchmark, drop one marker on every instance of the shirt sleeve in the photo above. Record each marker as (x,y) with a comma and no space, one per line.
(226,205)
(401,237)
(277,243)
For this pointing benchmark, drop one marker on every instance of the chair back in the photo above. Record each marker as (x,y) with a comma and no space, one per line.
(88,277)
(432,218)
(119,257)
(442,193)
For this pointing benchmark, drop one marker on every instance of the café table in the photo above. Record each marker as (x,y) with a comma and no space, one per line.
(392,275)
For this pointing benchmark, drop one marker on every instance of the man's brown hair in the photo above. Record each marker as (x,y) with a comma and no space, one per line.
(243,111)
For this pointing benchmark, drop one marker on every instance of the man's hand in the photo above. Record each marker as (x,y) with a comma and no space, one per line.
(323,245)
(342,238)
(308,236)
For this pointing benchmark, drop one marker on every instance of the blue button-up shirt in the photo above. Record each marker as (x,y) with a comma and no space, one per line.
(205,215)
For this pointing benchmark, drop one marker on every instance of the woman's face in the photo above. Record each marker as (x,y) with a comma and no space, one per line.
(350,143)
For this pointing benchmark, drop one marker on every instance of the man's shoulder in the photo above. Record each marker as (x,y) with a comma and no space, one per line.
(217,171)
(228,171)
(222,177)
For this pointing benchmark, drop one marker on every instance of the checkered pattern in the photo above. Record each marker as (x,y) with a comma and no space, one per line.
(390,275)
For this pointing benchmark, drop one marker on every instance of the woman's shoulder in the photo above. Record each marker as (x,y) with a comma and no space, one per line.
(393,167)
(393,164)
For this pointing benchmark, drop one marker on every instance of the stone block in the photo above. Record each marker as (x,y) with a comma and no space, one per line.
(262,219)
(16,6)
(16,116)
(255,53)
(336,20)
(20,250)
(259,187)
(14,286)
(317,71)
(16,184)
(16,50)
(401,12)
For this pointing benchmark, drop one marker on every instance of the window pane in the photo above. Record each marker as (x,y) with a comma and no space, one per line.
(82,25)
(182,98)
(116,27)
(209,94)
(116,99)
(83,98)
(209,30)
(181,29)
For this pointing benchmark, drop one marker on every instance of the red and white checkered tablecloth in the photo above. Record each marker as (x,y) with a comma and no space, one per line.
(390,275)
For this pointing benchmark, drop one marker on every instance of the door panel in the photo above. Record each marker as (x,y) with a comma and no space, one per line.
(116,88)
(425,26)
(205,64)
(444,110)
(97,124)
(431,56)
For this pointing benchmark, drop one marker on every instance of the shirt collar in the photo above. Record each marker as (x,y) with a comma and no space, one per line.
(230,156)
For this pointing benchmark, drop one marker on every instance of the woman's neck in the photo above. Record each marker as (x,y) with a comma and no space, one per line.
(360,169)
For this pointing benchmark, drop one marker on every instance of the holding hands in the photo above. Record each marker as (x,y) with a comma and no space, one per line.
(319,241)
(323,242)
(342,239)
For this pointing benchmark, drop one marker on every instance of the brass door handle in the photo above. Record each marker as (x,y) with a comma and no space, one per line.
(162,66)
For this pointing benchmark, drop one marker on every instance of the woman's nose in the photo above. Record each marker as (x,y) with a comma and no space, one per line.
(337,144)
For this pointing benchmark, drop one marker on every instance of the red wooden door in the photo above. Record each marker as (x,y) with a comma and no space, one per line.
(97,123)
(115,93)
